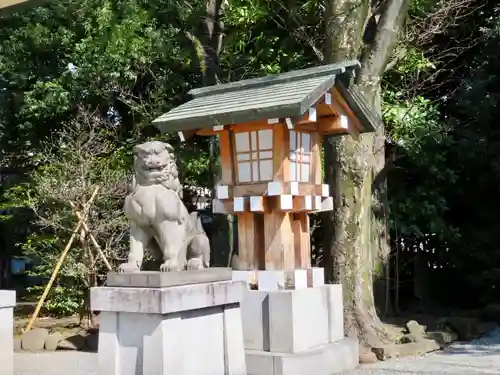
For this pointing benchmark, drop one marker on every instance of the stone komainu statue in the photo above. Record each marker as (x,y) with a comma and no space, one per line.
(159,221)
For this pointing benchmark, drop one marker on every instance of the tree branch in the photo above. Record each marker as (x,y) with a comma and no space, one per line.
(400,55)
(377,53)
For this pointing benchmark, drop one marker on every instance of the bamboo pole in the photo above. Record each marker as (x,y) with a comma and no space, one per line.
(60,262)
(92,238)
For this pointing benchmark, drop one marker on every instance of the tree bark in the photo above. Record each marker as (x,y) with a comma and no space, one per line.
(358,244)
(208,46)
(211,42)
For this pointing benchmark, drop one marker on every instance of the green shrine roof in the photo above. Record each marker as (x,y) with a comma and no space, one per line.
(274,96)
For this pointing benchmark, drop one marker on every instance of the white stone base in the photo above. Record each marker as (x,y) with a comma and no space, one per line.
(326,359)
(272,280)
(191,329)
(297,331)
(7,303)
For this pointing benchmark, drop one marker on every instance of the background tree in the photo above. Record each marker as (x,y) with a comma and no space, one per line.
(359,241)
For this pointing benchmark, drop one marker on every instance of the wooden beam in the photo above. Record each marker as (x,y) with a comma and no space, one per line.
(251,126)
(343,108)
(337,125)
(275,188)
(185,135)
(207,132)
(324,105)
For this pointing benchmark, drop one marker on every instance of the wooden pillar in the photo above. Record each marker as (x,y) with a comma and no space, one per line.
(302,240)
(278,241)
(316,167)
(250,244)
(281,153)
(226,160)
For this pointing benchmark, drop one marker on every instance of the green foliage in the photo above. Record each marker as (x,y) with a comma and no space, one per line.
(79,83)
(422,173)
(67,295)
(414,62)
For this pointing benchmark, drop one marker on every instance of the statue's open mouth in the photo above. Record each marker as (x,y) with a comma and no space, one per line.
(156,168)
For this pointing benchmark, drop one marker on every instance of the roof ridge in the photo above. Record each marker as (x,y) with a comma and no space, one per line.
(295,75)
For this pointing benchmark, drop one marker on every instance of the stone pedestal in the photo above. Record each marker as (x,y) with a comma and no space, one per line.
(294,324)
(7,303)
(182,323)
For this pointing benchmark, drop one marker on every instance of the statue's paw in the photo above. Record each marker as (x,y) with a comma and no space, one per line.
(128,267)
(170,266)
(195,264)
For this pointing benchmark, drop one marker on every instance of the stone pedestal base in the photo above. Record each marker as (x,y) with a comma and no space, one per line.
(325,359)
(7,303)
(294,325)
(188,329)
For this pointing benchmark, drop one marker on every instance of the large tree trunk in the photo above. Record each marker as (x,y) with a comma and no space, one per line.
(208,45)
(358,244)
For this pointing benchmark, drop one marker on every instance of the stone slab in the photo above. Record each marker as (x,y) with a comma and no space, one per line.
(291,321)
(206,341)
(166,300)
(7,298)
(156,279)
(298,320)
(326,359)
(7,303)
(335,302)
(255,319)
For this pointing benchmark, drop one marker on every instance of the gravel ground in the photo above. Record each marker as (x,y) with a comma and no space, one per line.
(479,357)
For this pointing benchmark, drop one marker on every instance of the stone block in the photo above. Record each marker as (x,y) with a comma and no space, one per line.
(7,299)
(192,336)
(75,342)
(34,339)
(291,321)
(335,303)
(255,319)
(413,349)
(326,359)
(53,340)
(154,279)
(443,338)
(298,320)
(7,303)
(166,300)
(249,277)
(273,280)
(234,352)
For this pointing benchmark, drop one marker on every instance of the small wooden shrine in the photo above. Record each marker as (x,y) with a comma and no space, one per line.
(271,132)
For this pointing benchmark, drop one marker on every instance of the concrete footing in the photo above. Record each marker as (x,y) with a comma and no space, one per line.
(295,327)
(7,303)
(187,329)
(325,359)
